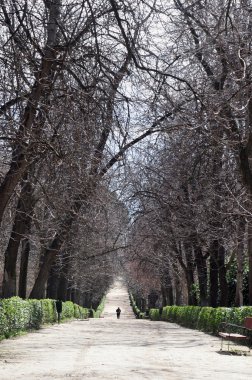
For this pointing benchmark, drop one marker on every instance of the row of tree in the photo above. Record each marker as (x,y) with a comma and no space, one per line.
(192,195)
(140,101)
(62,66)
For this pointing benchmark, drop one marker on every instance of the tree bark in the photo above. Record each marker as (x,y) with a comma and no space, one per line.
(9,287)
(51,253)
(222,276)
(201,264)
(240,263)
(250,260)
(192,300)
(63,281)
(22,288)
(53,282)
(214,273)
(245,155)
(69,290)
(167,289)
(73,295)
(62,289)
(21,225)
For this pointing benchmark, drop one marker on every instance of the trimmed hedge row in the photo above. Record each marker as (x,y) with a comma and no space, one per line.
(99,310)
(201,318)
(17,315)
(136,310)
(96,313)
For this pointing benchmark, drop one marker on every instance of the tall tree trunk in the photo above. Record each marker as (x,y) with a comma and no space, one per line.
(250,260)
(87,300)
(245,155)
(24,268)
(62,289)
(201,264)
(53,281)
(178,294)
(192,300)
(167,289)
(214,273)
(9,287)
(77,296)
(69,290)
(164,299)
(73,294)
(50,255)
(240,263)
(170,296)
(25,251)
(63,280)
(21,223)
(222,276)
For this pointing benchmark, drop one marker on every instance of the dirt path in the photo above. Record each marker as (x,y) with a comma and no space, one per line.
(108,348)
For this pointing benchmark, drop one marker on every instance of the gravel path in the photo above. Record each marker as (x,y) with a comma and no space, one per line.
(108,348)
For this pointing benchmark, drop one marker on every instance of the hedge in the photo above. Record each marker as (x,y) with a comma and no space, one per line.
(17,315)
(136,310)
(206,319)
(99,310)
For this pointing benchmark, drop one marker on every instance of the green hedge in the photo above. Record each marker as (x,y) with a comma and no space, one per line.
(100,308)
(96,313)
(80,312)
(154,315)
(136,310)
(17,315)
(205,319)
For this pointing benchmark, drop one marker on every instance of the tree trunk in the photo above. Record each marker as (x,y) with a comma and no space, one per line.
(152,299)
(77,296)
(53,282)
(73,295)
(246,170)
(250,260)
(9,278)
(240,263)
(63,278)
(51,253)
(222,276)
(21,225)
(178,292)
(84,300)
(167,289)
(62,289)
(69,291)
(170,297)
(164,299)
(25,252)
(201,264)
(24,268)
(214,273)
(192,300)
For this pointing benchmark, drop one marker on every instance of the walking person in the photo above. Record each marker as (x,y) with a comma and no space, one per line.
(118,312)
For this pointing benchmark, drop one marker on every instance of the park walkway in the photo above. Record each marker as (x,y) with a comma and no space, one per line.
(127,348)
